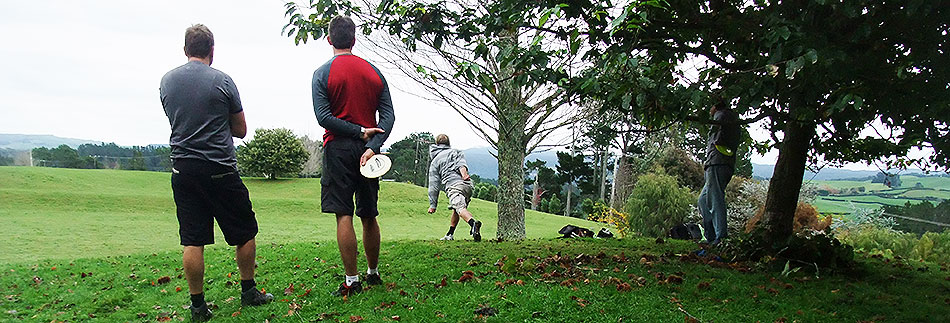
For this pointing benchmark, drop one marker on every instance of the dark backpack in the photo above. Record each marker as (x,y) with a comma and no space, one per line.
(571,231)
(688,231)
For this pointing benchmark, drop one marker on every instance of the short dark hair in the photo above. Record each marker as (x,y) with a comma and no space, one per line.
(442,139)
(721,103)
(198,41)
(342,32)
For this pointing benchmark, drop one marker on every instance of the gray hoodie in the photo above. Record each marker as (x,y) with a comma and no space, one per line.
(444,171)
(726,135)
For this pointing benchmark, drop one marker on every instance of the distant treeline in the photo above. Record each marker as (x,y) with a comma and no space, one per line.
(111,156)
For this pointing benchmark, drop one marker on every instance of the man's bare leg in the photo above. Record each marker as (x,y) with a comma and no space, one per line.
(346,239)
(454,219)
(245,259)
(371,241)
(464,214)
(193,260)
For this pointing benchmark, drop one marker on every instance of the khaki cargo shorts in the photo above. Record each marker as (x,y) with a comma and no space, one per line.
(459,196)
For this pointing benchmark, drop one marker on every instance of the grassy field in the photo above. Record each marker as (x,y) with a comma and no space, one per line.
(95,245)
(628,280)
(53,213)
(935,189)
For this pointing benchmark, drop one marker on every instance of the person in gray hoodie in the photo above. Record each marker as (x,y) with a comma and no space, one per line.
(448,172)
(720,164)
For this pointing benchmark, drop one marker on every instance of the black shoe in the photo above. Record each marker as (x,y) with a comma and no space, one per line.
(344,290)
(477,231)
(373,279)
(254,297)
(200,314)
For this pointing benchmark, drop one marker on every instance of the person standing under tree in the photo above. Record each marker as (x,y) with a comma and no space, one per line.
(449,171)
(204,110)
(348,92)
(719,166)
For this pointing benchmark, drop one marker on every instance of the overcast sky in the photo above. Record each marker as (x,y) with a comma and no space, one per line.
(91,69)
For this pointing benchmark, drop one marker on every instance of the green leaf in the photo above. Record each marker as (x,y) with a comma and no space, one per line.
(618,21)
(811,56)
(544,18)
(792,67)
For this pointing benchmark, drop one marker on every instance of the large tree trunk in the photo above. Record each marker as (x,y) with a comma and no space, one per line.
(786,182)
(511,151)
(623,182)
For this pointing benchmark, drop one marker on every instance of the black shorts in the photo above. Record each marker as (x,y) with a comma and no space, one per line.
(207,191)
(341,180)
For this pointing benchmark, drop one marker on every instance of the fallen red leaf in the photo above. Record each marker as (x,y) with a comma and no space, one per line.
(623,287)
(235,314)
(355,318)
(164,280)
(395,317)
(289,290)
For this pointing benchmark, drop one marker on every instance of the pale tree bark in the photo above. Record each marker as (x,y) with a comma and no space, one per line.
(567,203)
(623,182)
(535,198)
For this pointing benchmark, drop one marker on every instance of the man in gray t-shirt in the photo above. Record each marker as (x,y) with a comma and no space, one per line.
(204,111)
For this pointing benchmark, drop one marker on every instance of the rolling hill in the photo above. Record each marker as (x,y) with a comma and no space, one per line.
(109,212)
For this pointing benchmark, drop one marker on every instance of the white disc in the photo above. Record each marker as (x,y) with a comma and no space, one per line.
(376,166)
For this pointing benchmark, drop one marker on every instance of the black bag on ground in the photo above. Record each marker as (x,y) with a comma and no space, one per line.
(604,233)
(572,231)
(689,231)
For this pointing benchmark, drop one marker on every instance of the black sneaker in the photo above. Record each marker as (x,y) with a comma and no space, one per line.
(477,231)
(200,314)
(254,297)
(373,279)
(344,290)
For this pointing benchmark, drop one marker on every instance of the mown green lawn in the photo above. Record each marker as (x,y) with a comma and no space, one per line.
(95,246)
(52,213)
(628,280)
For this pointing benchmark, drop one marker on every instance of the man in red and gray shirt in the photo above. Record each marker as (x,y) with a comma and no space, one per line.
(348,92)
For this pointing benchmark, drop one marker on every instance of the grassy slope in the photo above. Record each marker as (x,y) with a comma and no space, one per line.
(882,292)
(109,224)
(64,213)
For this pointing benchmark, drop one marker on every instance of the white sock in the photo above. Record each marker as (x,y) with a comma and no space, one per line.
(352,279)
(372,271)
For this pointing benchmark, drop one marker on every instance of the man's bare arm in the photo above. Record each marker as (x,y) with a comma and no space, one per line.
(464,171)
(238,125)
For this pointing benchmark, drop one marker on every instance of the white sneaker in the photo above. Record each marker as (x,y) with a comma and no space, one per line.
(447,237)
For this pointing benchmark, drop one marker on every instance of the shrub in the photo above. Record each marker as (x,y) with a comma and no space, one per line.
(933,247)
(485,191)
(600,212)
(272,153)
(657,203)
(555,205)
(806,219)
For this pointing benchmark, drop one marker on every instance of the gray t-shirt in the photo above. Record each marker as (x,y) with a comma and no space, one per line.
(199,101)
